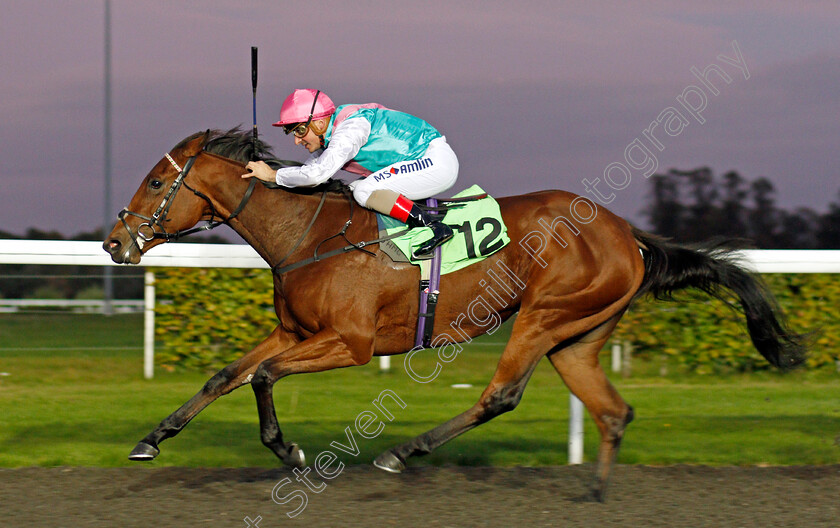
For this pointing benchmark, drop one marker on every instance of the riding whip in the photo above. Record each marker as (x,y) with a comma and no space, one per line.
(254,88)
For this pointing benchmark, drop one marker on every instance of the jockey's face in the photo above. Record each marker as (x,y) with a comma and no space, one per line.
(311,140)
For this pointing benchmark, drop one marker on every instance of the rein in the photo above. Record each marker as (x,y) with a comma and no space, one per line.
(279,269)
(147,231)
(317,258)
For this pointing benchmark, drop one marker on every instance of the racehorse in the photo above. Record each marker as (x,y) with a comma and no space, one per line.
(570,272)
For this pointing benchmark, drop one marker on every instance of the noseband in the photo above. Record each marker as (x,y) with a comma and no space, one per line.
(153,227)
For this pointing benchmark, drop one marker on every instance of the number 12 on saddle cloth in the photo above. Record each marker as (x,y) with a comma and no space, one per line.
(479,232)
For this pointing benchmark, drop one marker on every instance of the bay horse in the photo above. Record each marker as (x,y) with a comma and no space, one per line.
(570,272)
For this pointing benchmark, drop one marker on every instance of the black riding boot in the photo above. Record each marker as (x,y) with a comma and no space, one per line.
(440,231)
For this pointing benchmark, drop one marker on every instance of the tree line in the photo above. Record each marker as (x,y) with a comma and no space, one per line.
(696,205)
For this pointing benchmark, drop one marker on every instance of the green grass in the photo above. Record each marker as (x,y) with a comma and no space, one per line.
(73,335)
(89,405)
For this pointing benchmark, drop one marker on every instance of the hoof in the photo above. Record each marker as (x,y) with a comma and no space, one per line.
(599,491)
(295,458)
(389,462)
(143,451)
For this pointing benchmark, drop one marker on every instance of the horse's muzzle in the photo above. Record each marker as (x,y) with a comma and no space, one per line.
(121,253)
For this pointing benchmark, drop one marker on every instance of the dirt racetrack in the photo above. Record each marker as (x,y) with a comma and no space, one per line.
(640,496)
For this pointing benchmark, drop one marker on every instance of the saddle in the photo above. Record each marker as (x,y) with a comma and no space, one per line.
(479,232)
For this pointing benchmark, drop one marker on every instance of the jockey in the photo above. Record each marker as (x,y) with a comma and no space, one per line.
(402,157)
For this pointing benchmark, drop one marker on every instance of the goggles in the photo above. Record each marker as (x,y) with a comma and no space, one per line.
(298,129)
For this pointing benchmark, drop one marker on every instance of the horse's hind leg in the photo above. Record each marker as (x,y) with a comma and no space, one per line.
(578,365)
(502,395)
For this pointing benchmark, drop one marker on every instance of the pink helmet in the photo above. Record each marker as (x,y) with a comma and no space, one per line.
(303,106)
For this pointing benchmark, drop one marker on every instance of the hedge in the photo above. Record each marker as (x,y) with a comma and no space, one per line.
(206,318)
(706,336)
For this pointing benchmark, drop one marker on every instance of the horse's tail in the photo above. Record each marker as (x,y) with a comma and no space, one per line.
(712,267)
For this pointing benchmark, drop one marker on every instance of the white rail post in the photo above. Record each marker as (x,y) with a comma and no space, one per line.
(616,357)
(385,363)
(575,430)
(149,326)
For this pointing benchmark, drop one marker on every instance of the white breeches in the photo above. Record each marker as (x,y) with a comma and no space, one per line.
(435,172)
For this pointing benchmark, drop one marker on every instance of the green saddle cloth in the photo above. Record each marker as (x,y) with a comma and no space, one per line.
(479,232)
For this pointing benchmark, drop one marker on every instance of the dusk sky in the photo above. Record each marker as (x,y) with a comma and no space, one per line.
(530,94)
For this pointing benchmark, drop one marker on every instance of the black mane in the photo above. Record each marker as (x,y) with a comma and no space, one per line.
(238,145)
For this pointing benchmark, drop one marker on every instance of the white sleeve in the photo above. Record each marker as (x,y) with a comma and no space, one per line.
(346,140)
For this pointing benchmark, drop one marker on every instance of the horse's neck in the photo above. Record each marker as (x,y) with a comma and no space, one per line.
(273,220)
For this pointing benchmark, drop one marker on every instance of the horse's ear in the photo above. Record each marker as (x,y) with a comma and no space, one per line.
(197,145)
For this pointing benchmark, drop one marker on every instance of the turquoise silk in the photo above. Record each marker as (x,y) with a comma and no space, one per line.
(394,136)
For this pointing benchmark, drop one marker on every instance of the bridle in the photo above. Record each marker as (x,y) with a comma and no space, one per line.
(153,228)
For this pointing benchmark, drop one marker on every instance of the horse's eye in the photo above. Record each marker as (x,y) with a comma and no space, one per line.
(156,184)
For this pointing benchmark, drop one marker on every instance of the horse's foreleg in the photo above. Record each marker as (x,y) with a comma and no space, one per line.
(325,350)
(580,369)
(229,378)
